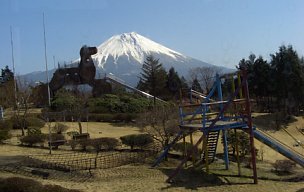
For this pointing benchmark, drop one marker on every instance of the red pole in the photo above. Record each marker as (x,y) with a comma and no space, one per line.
(249,123)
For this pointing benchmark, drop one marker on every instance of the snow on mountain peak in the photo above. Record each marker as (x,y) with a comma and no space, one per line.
(131,45)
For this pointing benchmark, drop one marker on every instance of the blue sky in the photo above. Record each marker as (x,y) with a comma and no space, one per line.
(220,32)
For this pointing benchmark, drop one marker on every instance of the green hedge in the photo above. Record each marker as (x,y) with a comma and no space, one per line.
(126,103)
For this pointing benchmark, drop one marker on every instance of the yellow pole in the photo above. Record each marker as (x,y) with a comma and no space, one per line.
(237,152)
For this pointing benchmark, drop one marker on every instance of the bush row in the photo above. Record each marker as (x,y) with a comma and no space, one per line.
(104,143)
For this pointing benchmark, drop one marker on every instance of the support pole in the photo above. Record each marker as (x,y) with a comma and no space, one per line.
(205,143)
(237,152)
(219,92)
(193,151)
(249,123)
(235,132)
(185,149)
(226,150)
(50,137)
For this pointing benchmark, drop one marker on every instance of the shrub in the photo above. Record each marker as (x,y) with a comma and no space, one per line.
(18,184)
(136,140)
(34,122)
(29,122)
(33,130)
(73,144)
(59,128)
(4,134)
(33,139)
(5,126)
(106,143)
(72,133)
(285,166)
(83,143)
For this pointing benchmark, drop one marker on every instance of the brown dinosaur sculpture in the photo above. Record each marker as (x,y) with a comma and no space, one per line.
(83,74)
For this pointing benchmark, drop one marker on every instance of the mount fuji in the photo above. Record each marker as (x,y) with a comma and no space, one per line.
(123,55)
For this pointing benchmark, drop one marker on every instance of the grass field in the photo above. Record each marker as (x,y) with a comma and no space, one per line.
(140,177)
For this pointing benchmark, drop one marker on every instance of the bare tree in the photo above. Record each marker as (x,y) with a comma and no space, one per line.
(22,103)
(161,123)
(205,76)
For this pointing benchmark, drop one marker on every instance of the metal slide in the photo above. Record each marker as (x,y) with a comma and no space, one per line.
(120,82)
(279,147)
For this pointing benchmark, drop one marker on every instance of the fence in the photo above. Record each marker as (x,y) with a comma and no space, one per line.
(88,161)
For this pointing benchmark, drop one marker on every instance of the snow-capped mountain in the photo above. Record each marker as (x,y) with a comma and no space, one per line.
(124,54)
(131,45)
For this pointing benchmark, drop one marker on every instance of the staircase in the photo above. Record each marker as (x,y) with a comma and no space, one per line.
(212,141)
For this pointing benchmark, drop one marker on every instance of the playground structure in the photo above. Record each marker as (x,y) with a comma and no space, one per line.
(214,115)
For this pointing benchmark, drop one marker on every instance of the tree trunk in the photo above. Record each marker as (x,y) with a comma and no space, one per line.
(80,126)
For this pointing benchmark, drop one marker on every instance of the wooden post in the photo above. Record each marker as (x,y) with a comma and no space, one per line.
(206,151)
(193,151)
(185,149)
(249,123)
(50,137)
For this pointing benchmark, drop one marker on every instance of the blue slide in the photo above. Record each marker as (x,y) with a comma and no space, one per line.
(279,147)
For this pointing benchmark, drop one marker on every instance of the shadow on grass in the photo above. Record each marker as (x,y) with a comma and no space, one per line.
(194,179)
(273,121)
(297,178)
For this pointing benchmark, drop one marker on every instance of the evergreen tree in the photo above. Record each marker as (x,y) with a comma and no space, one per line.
(153,77)
(196,86)
(184,84)
(173,81)
(288,80)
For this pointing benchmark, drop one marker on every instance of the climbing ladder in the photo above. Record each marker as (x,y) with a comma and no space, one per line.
(212,140)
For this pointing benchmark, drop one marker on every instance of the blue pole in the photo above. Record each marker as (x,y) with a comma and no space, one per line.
(226,157)
(219,92)
(220,98)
